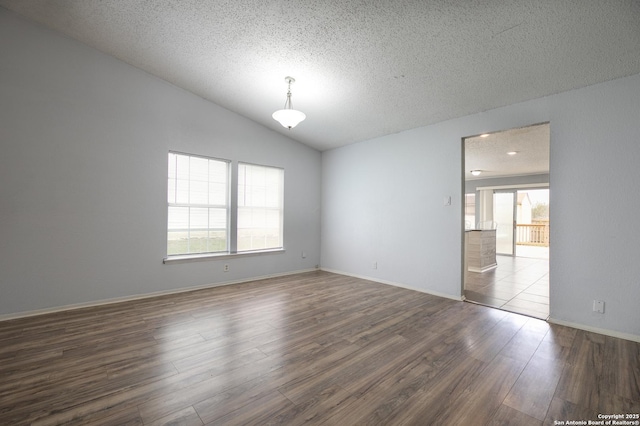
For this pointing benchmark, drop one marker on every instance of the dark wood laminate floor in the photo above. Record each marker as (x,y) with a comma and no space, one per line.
(518,284)
(315,348)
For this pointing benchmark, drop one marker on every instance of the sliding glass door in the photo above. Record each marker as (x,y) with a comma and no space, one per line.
(504,214)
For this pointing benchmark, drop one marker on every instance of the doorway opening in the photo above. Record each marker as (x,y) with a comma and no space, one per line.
(506,220)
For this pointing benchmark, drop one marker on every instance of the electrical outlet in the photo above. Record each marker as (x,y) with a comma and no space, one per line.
(375,265)
(226,267)
(598,306)
(304,255)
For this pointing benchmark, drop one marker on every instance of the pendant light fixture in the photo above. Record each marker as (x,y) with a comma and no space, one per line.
(288,116)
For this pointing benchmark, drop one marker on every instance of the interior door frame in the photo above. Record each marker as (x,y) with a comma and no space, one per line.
(463,263)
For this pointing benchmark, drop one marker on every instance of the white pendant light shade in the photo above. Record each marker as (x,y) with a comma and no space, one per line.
(288,116)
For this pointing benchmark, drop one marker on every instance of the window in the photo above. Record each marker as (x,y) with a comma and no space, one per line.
(205,217)
(470,211)
(260,207)
(198,205)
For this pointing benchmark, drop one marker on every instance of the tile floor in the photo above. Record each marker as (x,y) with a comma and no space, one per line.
(518,284)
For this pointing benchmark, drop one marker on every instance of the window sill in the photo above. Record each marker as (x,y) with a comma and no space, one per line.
(212,256)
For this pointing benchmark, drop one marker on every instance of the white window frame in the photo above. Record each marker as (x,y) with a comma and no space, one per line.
(175,203)
(272,205)
(232,216)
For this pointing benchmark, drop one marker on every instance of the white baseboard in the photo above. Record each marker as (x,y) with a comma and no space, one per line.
(604,331)
(25,314)
(611,333)
(6,317)
(395,284)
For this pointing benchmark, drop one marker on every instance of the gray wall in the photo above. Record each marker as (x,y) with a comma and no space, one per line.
(83,167)
(382,201)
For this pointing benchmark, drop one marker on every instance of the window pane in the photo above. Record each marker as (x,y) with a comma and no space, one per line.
(272,219)
(197,194)
(273,240)
(258,241)
(241,195)
(260,207)
(177,242)
(218,193)
(258,195)
(198,168)
(182,176)
(171,185)
(217,218)
(198,179)
(218,171)
(217,241)
(198,218)
(273,197)
(244,218)
(198,241)
(178,218)
(172,165)
(257,218)
(171,190)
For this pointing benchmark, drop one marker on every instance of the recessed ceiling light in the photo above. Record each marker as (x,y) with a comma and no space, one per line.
(512,152)
(484,135)
(476,172)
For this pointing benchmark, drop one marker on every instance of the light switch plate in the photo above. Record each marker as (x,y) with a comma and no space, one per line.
(598,306)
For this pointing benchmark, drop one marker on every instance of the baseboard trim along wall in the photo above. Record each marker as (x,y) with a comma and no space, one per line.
(604,331)
(395,284)
(7,317)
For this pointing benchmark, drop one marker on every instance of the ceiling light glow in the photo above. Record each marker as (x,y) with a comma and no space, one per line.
(476,172)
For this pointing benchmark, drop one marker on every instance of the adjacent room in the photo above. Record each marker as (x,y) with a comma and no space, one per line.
(262,212)
(507,220)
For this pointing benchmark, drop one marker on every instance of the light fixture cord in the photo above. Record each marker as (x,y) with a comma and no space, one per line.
(287,103)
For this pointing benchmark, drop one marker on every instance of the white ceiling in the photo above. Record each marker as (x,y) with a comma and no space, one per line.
(364,68)
(489,153)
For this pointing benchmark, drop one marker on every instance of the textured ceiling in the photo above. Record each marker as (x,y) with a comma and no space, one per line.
(363,68)
(489,153)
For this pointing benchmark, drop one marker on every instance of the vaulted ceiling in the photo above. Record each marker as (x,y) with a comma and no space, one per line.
(363,68)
